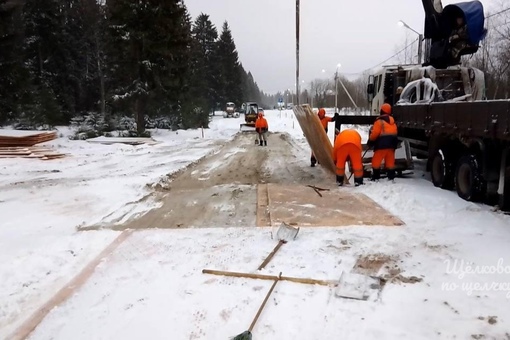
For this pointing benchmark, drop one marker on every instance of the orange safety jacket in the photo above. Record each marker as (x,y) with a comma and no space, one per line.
(324,119)
(261,125)
(384,133)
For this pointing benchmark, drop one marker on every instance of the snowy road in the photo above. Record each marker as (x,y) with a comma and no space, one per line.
(152,285)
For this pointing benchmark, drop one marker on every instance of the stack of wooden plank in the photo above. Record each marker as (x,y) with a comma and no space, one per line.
(30,152)
(123,140)
(18,138)
(21,144)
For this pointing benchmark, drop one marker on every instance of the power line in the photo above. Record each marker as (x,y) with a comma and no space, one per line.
(402,50)
(382,62)
(396,54)
(498,13)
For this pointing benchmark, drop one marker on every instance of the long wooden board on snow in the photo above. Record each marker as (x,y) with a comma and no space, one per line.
(316,136)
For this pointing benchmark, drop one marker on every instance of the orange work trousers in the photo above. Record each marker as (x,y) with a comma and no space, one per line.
(388,155)
(349,152)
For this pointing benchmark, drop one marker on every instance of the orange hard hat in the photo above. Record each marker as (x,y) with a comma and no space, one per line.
(386,109)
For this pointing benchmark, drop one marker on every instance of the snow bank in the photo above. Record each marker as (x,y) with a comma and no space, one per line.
(43,202)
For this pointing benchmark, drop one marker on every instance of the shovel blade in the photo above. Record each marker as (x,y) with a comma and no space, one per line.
(286,232)
(356,286)
(243,336)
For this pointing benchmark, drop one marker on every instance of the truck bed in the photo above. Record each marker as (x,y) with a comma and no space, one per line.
(482,119)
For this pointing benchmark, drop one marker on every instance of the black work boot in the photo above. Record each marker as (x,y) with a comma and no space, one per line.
(313,161)
(339,180)
(261,143)
(376,175)
(265,143)
(391,175)
(358,181)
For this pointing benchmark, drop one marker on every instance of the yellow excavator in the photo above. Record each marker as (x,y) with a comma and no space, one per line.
(250,116)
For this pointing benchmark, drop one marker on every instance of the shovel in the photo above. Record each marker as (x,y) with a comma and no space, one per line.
(247,335)
(284,234)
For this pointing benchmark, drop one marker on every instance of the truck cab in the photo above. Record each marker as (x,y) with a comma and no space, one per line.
(230,111)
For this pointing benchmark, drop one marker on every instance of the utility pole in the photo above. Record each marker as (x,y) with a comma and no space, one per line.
(420,41)
(420,48)
(336,90)
(297,52)
(348,94)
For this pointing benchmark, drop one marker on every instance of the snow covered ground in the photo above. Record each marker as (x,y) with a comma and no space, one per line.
(43,202)
(152,286)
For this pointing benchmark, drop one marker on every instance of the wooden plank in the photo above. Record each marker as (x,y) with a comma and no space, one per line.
(15,153)
(300,205)
(39,152)
(316,137)
(263,216)
(28,326)
(14,138)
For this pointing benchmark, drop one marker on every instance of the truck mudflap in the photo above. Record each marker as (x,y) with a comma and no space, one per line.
(504,182)
(403,160)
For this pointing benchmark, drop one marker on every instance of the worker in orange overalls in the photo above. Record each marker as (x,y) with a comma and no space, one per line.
(324,121)
(261,127)
(348,147)
(383,137)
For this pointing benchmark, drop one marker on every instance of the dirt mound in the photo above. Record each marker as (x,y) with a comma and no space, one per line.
(371,264)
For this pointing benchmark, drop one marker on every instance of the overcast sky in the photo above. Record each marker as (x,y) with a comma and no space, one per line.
(357,34)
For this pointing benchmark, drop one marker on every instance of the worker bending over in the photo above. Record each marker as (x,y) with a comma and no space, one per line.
(348,147)
(324,121)
(261,127)
(383,137)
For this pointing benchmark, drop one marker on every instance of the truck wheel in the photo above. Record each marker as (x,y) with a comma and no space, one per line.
(468,180)
(441,171)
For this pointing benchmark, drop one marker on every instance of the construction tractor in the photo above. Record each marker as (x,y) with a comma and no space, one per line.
(230,111)
(250,116)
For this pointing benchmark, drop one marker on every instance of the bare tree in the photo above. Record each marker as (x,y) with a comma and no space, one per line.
(319,90)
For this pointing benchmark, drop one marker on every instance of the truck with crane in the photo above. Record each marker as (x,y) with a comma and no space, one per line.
(442,112)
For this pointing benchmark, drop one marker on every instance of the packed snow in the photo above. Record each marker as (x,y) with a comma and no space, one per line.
(448,267)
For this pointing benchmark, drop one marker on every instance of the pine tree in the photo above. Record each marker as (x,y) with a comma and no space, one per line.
(51,56)
(204,84)
(14,77)
(86,24)
(230,76)
(150,54)
(252,89)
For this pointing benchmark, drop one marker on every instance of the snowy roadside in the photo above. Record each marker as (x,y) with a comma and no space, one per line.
(152,286)
(43,202)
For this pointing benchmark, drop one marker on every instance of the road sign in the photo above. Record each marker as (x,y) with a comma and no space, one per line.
(280,100)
